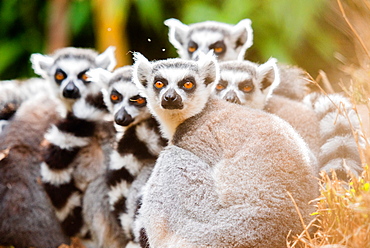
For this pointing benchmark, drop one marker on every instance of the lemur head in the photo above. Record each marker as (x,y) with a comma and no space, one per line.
(121,95)
(229,42)
(66,71)
(247,83)
(175,89)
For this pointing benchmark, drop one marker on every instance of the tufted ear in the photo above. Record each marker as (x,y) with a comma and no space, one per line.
(99,76)
(177,34)
(269,76)
(41,64)
(107,59)
(242,35)
(208,68)
(142,68)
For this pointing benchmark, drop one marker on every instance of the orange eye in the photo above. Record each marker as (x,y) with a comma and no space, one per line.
(247,88)
(188,85)
(84,77)
(159,84)
(218,49)
(220,87)
(114,97)
(59,76)
(139,100)
(192,49)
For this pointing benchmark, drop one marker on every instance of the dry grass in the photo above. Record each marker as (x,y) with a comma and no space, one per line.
(343,208)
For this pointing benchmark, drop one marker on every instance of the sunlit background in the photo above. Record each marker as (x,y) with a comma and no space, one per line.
(311,34)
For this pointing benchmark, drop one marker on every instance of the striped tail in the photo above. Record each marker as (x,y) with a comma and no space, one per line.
(339,134)
(139,147)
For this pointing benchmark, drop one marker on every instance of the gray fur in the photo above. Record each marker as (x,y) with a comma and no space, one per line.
(236,38)
(224,180)
(302,117)
(104,228)
(339,130)
(27,216)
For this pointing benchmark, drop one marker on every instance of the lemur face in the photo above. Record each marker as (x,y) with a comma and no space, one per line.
(124,100)
(246,83)
(228,42)
(121,95)
(176,86)
(66,70)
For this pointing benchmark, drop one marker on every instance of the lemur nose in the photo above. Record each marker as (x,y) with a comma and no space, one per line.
(170,95)
(71,91)
(123,118)
(232,97)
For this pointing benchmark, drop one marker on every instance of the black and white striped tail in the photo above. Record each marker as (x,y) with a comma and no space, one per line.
(65,141)
(139,147)
(339,131)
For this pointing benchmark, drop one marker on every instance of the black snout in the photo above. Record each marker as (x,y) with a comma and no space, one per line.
(71,91)
(171,100)
(232,97)
(123,118)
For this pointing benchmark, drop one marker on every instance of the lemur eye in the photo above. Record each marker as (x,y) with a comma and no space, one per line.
(188,85)
(192,49)
(247,88)
(159,84)
(84,77)
(220,87)
(59,75)
(139,100)
(218,49)
(115,97)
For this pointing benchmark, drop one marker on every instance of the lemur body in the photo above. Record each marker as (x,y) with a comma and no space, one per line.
(209,188)
(27,215)
(245,83)
(79,143)
(131,162)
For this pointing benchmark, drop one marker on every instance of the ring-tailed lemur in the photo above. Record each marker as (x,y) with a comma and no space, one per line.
(225,178)
(249,84)
(78,144)
(230,43)
(132,159)
(227,41)
(27,215)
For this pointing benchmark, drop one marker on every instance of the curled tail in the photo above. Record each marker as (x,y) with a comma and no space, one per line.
(340,134)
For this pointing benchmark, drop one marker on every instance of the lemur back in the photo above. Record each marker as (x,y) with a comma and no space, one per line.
(253,85)
(250,84)
(209,188)
(78,144)
(133,158)
(228,42)
(27,215)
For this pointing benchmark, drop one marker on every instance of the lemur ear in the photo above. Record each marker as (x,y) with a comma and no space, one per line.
(242,35)
(99,76)
(107,59)
(177,33)
(142,68)
(41,64)
(208,67)
(269,76)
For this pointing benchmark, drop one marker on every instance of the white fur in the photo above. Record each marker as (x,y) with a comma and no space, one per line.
(64,140)
(115,193)
(132,164)
(55,177)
